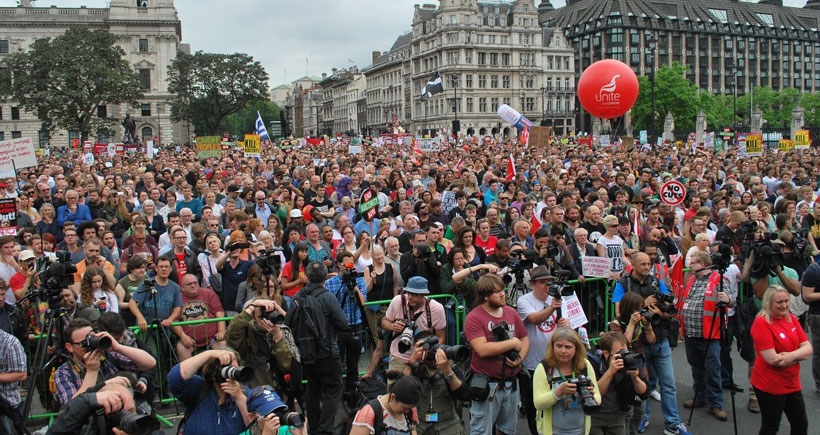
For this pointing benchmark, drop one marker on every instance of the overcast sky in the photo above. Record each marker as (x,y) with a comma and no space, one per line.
(293,38)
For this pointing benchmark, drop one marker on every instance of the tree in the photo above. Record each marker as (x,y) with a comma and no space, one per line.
(673,93)
(209,87)
(244,121)
(66,79)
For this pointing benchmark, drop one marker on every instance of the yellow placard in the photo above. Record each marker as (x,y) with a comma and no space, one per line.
(754,145)
(208,146)
(801,140)
(784,145)
(253,145)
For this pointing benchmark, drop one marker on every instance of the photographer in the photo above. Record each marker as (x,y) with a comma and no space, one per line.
(499,342)
(261,344)
(621,386)
(143,382)
(537,310)
(86,365)
(421,261)
(658,353)
(554,253)
(81,415)
(347,285)
(214,405)
(269,414)
(12,373)
(234,271)
(701,316)
(408,314)
(442,382)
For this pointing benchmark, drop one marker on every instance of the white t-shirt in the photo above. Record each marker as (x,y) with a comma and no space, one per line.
(540,334)
(614,250)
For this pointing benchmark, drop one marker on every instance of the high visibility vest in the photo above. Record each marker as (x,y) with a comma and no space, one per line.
(711,322)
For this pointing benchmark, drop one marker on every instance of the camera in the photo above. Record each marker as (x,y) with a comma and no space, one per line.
(348,275)
(150,283)
(289,418)
(653,318)
(503,332)
(134,424)
(91,342)
(667,303)
(274,317)
(269,261)
(587,397)
(407,335)
(521,261)
(423,251)
(242,374)
(553,249)
(56,273)
(241,245)
(632,360)
(455,353)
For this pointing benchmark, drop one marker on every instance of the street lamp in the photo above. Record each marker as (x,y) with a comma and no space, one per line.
(651,42)
(734,99)
(543,105)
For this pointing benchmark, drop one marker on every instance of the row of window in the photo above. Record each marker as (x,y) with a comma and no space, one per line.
(528,104)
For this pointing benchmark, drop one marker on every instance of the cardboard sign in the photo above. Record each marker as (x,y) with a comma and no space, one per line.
(708,141)
(673,192)
(801,140)
(754,145)
(88,159)
(8,217)
(571,309)
(598,267)
(208,146)
(20,152)
(253,146)
(784,145)
(354,149)
(432,145)
(540,136)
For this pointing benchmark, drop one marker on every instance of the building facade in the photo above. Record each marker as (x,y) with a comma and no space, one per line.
(727,46)
(149,32)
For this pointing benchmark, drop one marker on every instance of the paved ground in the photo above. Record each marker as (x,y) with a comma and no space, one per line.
(702,422)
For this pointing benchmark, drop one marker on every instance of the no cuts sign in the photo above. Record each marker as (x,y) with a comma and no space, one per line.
(673,193)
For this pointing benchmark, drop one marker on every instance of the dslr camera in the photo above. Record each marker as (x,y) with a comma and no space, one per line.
(407,335)
(587,397)
(632,360)
(455,353)
(423,251)
(135,424)
(91,342)
(503,332)
(241,374)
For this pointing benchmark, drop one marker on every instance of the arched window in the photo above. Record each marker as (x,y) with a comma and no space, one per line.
(147,134)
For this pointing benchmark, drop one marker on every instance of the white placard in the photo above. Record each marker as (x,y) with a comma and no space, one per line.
(150,149)
(430,145)
(572,310)
(598,267)
(112,149)
(20,151)
(448,201)
(354,149)
(88,159)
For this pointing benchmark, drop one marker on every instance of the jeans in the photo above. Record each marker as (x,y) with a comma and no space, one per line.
(813,321)
(350,346)
(658,358)
(772,407)
(500,410)
(704,358)
(324,393)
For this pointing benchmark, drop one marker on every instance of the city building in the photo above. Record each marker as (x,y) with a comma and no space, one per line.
(149,32)
(728,46)
(389,88)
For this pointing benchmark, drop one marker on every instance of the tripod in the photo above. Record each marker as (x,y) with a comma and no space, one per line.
(54,314)
(162,338)
(719,313)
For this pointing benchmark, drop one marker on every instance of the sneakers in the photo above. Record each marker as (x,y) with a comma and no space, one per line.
(753,406)
(655,395)
(642,425)
(692,403)
(680,429)
(719,413)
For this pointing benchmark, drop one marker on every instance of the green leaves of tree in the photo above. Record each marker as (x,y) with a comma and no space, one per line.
(210,87)
(65,79)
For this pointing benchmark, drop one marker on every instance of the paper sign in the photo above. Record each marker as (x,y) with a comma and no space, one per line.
(20,151)
(354,149)
(208,146)
(604,140)
(149,148)
(571,309)
(784,145)
(112,149)
(253,146)
(448,201)
(8,217)
(754,145)
(88,159)
(643,137)
(801,140)
(430,145)
(598,267)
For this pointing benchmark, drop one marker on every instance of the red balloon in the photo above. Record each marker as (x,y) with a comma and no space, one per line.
(608,88)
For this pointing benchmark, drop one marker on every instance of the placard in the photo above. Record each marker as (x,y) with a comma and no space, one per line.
(540,136)
(784,145)
(448,201)
(598,267)
(354,149)
(754,145)
(253,146)
(571,310)
(20,151)
(643,137)
(431,145)
(801,140)
(208,147)
(8,217)
(673,192)
(88,159)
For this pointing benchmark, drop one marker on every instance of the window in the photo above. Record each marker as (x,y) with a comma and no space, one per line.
(482,58)
(482,81)
(468,57)
(16,134)
(719,14)
(494,104)
(142,3)
(469,81)
(143,45)
(494,81)
(15,113)
(42,137)
(494,59)
(2,135)
(482,104)
(4,46)
(102,111)
(469,105)
(529,104)
(145,78)
(766,19)
(146,109)
(505,59)
(505,81)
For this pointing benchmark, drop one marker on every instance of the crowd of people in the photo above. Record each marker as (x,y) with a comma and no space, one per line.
(244,276)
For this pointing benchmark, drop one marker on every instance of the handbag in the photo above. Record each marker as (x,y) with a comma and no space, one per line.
(215,279)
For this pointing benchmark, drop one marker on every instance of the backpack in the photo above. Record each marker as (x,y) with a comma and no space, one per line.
(307,320)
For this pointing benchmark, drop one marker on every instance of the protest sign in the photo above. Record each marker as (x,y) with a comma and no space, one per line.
(571,310)
(754,145)
(596,266)
(208,146)
(540,136)
(8,217)
(448,201)
(801,140)
(784,145)
(431,145)
(643,137)
(253,146)
(16,153)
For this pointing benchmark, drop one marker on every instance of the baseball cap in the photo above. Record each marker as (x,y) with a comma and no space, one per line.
(296,213)
(28,254)
(263,400)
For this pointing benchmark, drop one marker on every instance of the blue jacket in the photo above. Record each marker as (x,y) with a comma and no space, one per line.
(82,214)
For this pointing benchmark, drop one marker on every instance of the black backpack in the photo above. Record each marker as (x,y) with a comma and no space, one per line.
(307,320)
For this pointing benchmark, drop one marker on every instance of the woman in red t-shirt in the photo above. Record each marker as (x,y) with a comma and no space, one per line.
(780,345)
(293,276)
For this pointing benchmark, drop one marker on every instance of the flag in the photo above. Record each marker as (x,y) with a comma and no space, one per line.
(458,167)
(260,127)
(677,279)
(510,168)
(525,136)
(433,87)
(636,225)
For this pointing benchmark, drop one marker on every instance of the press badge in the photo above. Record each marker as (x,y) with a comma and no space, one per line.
(431,417)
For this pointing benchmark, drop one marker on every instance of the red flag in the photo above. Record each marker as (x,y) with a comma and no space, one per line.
(535,225)
(636,226)
(458,167)
(525,136)
(677,279)
(510,168)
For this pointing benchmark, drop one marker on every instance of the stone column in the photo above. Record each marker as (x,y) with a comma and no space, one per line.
(757,120)
(798,120)
(700,126)
(669,127)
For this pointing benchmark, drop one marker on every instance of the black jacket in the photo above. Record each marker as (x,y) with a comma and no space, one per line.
(17,324)
(191,263)
(336,321)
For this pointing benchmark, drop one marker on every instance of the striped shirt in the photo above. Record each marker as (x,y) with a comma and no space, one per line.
(12,360)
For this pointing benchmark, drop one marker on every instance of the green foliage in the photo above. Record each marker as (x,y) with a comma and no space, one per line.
(210,87)
(244,121)
(673,94)
(65,79)
(811,109)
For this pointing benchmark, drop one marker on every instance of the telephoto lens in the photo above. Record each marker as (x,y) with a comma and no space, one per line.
(93,343)
(241,374)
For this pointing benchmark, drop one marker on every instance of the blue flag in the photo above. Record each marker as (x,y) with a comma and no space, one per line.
(260,127)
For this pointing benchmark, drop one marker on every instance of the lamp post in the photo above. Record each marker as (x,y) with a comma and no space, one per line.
(543,105)
(651,42)
(734,99)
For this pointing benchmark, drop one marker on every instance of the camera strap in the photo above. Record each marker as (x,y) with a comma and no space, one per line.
(415,316)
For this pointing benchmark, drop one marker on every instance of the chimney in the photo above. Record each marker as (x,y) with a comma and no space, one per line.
(324,76)
(376,55)
(334,70)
